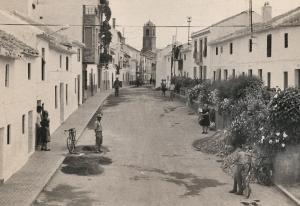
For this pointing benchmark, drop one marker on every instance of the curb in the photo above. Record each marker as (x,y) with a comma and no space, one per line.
(288,194)
(60,161)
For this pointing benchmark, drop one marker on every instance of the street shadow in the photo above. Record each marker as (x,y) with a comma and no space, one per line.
(191,182)
(85,164)
(67,195)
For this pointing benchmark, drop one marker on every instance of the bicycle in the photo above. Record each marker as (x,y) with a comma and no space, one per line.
(71,140)
(260,169)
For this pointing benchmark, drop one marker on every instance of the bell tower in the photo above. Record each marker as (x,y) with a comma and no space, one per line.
(149,37)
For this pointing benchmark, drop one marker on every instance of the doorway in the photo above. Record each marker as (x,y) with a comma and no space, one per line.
(78,89)
(297,78)
(30,131)
(62,103)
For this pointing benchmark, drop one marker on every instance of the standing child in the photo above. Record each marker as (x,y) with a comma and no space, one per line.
(98,132)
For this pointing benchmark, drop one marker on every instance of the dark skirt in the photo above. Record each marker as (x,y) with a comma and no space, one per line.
(45,135)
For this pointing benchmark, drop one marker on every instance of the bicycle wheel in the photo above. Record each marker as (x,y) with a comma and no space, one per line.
(70,145)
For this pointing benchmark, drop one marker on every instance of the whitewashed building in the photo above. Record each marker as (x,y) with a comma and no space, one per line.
(271,52)
(202,51)
(181,67)
(134,62)
(45,70)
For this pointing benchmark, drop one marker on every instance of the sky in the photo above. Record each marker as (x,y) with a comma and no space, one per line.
(131,15)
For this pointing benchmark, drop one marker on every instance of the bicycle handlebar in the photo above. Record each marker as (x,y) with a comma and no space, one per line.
(72,129)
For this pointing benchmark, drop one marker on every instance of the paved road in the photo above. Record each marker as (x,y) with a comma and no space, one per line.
(148,160)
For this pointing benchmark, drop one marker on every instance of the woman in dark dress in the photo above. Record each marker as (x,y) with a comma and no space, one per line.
(205,122)
(45,132)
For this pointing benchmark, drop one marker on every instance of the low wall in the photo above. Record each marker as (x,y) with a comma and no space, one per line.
(287,165)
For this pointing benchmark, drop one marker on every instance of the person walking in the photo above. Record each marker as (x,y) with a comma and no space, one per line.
(117,85)
(172,91)
(38,127)
(204,119)
(163,87)
(45,132)
(98,132)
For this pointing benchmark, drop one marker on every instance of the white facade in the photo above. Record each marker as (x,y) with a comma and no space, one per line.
(163,64)
(55,84)
(134,62)
(200,39)
(280,68)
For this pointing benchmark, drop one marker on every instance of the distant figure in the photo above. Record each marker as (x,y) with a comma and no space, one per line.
(172,91)
(204,119)
(98,132)
(45,132)
(38,126)
(117,85)
(163,87)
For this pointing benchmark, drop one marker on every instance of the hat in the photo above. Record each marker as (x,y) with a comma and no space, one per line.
(99,115)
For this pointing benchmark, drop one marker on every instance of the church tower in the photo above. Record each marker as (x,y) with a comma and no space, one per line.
(149,37)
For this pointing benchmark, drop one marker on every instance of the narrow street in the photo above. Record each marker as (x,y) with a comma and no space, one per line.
(148,160)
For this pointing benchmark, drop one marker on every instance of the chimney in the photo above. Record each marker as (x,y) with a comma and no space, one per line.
(114,23)
(266,12)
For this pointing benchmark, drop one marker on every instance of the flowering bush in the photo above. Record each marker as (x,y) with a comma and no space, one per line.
(285,112)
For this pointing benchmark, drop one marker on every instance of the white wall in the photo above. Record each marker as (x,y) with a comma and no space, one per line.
(282,60)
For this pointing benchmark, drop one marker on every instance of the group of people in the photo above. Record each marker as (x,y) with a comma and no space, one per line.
(164,88)
(117,85)
(42,129)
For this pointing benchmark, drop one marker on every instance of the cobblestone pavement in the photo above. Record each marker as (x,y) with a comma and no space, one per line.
(148,160)
(23,187)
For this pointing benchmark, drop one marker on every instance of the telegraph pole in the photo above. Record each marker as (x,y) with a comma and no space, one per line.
(189,20)
(251,17)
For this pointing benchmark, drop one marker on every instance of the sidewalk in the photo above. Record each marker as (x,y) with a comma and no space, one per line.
(24,186)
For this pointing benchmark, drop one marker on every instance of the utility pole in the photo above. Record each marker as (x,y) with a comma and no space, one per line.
(189,20)
(251,17)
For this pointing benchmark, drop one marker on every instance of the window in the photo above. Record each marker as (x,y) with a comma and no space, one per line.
(66,94)
(23,124)
(286,40)
(201,50)
(243,74)
(250,45)
(221,49)
(79,54)
(285,80)
(7,75)
(233,73)
(43,62)
(269,45)
(67,63)
(260,74)
(205,47)
(219,75)
(195,48)
(250,72)
(8,134)
(55,97)
(88,37)
(147,32)
(153,32)
(201,72)
(29,71)
(214,75)
(217,50)
(60,61)
(225,74)
(184,57)
(195,72)
(204,72)
(269,80)
(231,48)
